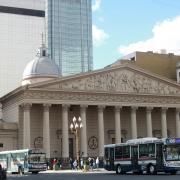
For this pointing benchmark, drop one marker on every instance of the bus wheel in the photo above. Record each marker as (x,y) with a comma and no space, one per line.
(151,169)
(35,172)
(119,170)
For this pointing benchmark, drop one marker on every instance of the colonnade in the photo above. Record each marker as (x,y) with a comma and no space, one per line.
(83,109)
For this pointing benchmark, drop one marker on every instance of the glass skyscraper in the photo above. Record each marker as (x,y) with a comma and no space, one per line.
(69,35)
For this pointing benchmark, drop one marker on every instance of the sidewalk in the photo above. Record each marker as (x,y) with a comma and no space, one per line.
(100,170)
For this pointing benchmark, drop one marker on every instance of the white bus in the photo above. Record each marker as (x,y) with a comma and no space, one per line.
(150,155)
(25,160)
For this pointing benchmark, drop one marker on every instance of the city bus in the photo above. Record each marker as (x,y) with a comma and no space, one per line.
(150,155)
(22,161)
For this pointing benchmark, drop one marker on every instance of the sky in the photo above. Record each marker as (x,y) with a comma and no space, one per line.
(121,27)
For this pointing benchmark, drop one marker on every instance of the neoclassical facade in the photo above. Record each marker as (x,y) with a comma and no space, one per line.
(115,104)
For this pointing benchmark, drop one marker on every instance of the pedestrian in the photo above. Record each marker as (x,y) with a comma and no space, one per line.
(48,164)
(54,163)
(82,164)
(91,163)
(97,163)
(71,163)
(75,164)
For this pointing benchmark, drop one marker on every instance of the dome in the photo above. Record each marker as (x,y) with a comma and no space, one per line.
(41,66)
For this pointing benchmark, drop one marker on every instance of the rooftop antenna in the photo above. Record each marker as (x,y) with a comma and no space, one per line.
(42,49)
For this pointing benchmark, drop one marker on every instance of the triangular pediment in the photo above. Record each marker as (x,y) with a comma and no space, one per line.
(121,79)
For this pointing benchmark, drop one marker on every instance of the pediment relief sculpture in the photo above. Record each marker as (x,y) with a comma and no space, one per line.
(121,81)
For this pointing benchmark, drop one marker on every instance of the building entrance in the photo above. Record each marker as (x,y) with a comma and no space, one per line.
(71,154)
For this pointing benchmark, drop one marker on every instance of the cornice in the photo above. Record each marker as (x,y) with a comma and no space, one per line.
(101,98)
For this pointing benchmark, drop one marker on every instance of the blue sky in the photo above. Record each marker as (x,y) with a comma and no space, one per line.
(124,26)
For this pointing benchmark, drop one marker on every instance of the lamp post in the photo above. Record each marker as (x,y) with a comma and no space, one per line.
(75,127)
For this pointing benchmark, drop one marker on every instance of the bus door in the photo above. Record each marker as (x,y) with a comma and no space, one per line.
(134,158)
(111,158)
(159,156)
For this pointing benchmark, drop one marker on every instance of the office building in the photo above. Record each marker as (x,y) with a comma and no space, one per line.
(69,35)
(21,24)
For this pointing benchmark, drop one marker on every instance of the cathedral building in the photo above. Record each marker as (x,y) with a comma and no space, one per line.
(122,101)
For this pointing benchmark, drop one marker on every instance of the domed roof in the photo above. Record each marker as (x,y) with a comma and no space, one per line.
(41,67)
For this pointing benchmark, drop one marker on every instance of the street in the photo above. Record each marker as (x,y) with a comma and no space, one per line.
(90,175)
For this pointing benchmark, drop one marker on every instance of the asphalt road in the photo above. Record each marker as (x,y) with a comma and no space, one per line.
(91,176)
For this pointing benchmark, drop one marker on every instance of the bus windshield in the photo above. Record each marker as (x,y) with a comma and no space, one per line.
(37,158)
(173,153)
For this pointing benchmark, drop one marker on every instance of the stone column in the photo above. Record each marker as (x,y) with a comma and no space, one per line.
(163,122)
(65,131)
(101,130)
(26,126)
(177,122)
(83,131)
(118,124)
(133,122)
(149,121)
(46,130)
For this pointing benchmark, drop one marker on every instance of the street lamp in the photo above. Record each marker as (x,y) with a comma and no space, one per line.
(75,127)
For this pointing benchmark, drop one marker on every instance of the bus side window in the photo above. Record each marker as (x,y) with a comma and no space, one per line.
(126,151)
(151,148)
(118,152)
(111,153)
(106,153)
(143,150)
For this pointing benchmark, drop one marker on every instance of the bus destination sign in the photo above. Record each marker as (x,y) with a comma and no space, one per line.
(173,141)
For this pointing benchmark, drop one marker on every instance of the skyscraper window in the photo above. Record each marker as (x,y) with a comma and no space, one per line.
(69,35)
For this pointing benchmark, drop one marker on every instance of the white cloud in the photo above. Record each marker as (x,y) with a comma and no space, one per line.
(96,5)
(166,35)
(99,35)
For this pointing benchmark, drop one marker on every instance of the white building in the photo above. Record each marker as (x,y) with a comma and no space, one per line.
(21,24)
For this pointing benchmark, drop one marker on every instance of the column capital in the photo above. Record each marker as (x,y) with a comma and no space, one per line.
(46,106)
(117,108)
(83,106)
(149,109)
(26,106)
(101,107)
(134,108)
(164,109)
(65,106)
(178,110)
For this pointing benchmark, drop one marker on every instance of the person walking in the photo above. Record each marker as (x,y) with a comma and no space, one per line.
(82,164)
(75,164)
(54,163)
(91,163)
(97,163)
(71,163)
